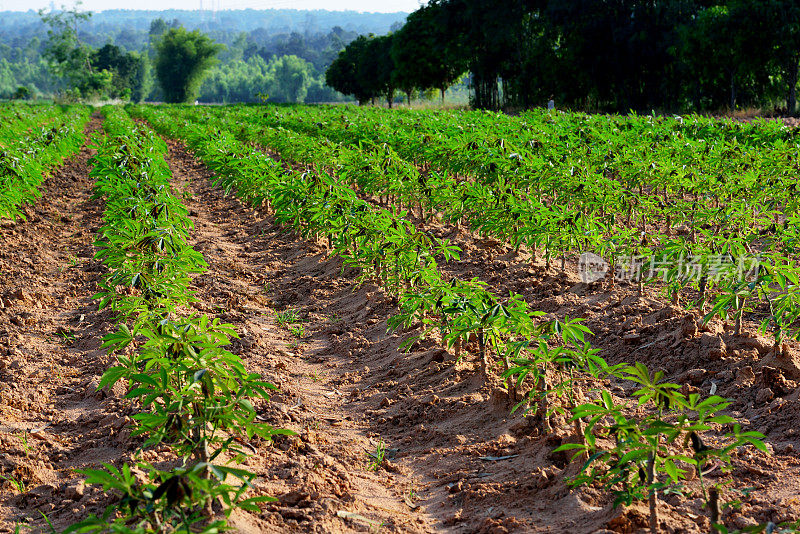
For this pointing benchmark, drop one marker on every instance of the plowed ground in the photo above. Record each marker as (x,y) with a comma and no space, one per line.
(346,387)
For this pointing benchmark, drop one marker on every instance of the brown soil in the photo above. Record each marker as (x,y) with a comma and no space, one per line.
(254,268)
(345,386)
(52,419)
(442,416)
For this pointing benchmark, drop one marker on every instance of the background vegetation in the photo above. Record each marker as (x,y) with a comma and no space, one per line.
(262,51)
(613,55)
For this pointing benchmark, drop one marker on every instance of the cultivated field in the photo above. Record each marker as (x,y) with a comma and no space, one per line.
(335,319)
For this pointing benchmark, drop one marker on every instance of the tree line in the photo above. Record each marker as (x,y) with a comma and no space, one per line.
(181,60)
(614,55)
(281,54)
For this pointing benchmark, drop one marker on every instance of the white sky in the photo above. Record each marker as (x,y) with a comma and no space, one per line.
(379,6)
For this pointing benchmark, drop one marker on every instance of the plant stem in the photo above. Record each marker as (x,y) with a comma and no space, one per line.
(653,500)
(738,327)
(713,506)
(482,353)
(544,406)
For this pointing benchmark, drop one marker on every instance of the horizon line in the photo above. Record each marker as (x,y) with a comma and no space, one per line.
(31,10)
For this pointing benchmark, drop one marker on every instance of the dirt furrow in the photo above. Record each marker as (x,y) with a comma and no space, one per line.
(387,440)
(346,387)
(52,419)
(324,472)
(458,460)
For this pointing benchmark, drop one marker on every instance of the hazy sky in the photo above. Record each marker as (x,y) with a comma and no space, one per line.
(381,6)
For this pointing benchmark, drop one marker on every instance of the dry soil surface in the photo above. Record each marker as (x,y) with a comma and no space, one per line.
(456,458)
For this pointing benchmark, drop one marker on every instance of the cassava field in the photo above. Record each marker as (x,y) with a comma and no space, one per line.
(337,319)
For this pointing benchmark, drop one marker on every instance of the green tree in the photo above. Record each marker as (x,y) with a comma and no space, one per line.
(345,74)
(365,69)
(182,60)
(711,45)
(21,93)
(238,81)
(291,77)
(727,54)
(422,55)
(376,68)
(141,78)
(130,71)
(158,27)
(780,19)
(69,58)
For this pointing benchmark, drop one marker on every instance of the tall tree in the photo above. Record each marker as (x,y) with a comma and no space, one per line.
(486,35)
(347,75)
(182,60)
(781,20)
(127,69)
(291,79)
(423,57)
(142,78)
(727,55)
(69,57)
(376,67)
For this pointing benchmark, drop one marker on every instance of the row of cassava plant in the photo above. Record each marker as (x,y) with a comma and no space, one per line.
(627,159)
(33,141)
(498,209)
(383,245)
(689,152)
(18,118)
(192,394)
(729,229)
(652,445)
(551,359)
(378,171)
(615,246)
